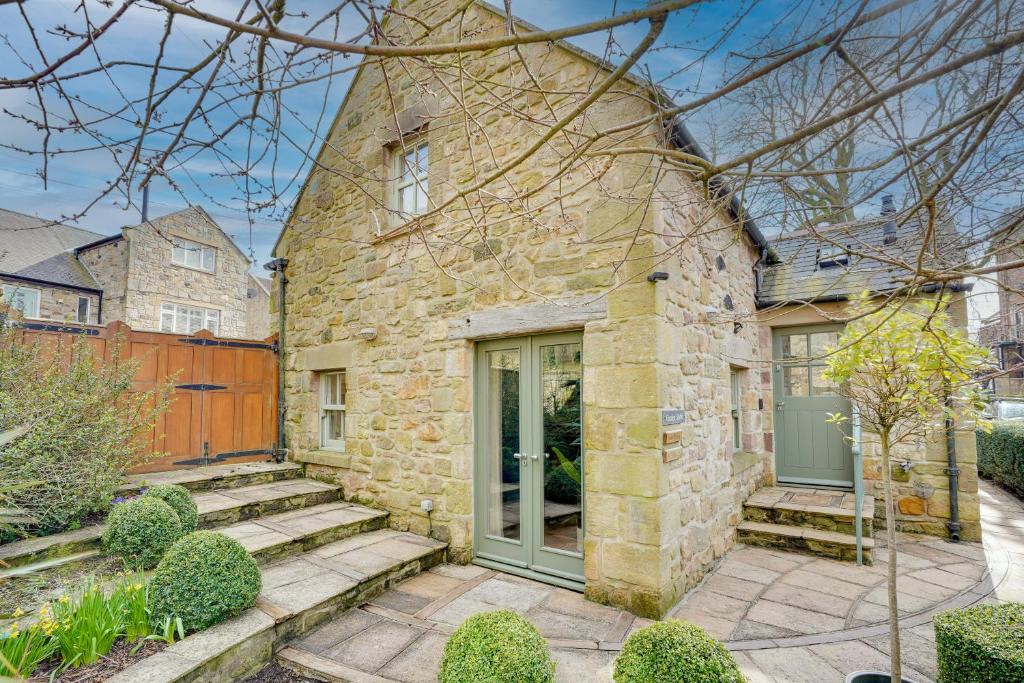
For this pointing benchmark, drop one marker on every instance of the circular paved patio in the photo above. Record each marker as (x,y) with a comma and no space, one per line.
(787,618)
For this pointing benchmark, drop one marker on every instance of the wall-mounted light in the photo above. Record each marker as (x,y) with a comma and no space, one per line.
(656,276)
(368,333)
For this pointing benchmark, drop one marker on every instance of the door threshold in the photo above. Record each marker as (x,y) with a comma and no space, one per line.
(530,574)
(841,486)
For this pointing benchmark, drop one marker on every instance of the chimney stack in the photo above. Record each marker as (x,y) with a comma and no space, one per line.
(889,230)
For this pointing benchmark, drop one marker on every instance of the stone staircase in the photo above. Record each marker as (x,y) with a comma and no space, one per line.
(812,521)
(318,554)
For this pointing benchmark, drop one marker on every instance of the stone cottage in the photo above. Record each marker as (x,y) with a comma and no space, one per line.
(176,273)
(581,392)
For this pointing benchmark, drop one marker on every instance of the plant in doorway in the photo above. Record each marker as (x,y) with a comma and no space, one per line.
(907,370)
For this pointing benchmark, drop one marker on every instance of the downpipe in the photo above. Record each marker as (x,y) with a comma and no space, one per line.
(953,470)
(277,266)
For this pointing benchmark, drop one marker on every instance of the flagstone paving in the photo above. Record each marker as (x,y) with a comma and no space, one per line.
(788,618)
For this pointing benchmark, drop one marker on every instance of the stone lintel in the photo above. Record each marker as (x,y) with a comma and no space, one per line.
(334,356)
(556,316)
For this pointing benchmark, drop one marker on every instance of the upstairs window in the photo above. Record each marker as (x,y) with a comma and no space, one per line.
(24,299)
(193,255)
(332,410)
(187,319)
(411,183)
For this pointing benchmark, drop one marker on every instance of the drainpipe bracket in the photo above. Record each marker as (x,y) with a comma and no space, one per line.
(954,471)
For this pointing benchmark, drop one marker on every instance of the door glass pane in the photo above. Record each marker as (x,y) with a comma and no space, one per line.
(794,381)
(821,341)
(794,346)
(503,488)
(563,462)
(819,385)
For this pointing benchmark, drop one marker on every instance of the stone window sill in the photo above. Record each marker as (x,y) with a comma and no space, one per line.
(324,457)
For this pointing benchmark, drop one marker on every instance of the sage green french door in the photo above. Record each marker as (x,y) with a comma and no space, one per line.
(528,488)
(809,449)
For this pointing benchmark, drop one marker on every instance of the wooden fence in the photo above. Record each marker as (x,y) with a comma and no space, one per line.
(223,407)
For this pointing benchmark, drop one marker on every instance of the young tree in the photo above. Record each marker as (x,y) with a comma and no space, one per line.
(906,369)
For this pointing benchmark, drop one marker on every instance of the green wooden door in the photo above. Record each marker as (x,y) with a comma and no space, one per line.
(528,502)
(808,449)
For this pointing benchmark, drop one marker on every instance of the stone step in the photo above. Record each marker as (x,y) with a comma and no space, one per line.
(216,509)
(275,537)
(212,477)
(822,509)
(299,593)
(832,544)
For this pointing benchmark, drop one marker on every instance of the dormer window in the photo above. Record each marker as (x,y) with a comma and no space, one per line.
(831,255)
(193,255)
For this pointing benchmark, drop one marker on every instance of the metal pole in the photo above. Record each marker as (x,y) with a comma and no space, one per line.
(858,487)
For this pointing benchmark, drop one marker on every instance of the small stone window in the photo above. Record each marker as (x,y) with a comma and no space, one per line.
(83,309)
(735,386)
(332,410)
(411,165)
(193,255)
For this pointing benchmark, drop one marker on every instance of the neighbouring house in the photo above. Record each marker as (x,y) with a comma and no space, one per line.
(600,421)
(176,273)
(1004,333)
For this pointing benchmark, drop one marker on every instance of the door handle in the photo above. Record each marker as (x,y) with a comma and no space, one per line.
(778,406)
(522,460)
(534,456)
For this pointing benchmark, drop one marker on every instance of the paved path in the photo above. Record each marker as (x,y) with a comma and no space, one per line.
(788,618)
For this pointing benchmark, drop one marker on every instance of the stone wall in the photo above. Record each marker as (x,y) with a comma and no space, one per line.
(108,265)
(409,422)
(153,279)
(257,312)
(58,303)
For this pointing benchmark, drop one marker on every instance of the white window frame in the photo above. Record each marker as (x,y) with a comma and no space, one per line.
(182,249)
(736,408)
(418,180)
(183,317)
(10,291)
(88,309)
(832,255)
(327,407)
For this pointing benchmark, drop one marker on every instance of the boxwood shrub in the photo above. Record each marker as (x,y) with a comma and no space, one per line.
(140,531)
(204,578)
(1001,455)
(496,646)
(981,644)
(674,651)
(180,501)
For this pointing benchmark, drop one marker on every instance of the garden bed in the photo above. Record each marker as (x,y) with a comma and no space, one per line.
(275,673)
(28,592)
(120,657)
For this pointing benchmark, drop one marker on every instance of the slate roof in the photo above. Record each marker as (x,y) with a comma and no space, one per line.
(797,276)
(27,240)
(63,268)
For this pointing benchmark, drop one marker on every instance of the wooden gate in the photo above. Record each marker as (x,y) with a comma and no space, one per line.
(223,407)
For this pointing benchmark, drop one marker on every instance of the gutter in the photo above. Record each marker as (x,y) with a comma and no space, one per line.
(48,283)
(928,288)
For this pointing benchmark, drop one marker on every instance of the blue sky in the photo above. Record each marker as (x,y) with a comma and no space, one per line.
(75,180)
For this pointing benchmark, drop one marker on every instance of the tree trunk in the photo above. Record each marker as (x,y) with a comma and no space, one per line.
(890,538)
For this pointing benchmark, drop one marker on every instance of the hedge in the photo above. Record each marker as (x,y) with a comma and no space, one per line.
(1001,455)
(497,646)
(981,644)
(672,652)
(180,501)
(204,578)
(141,530)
